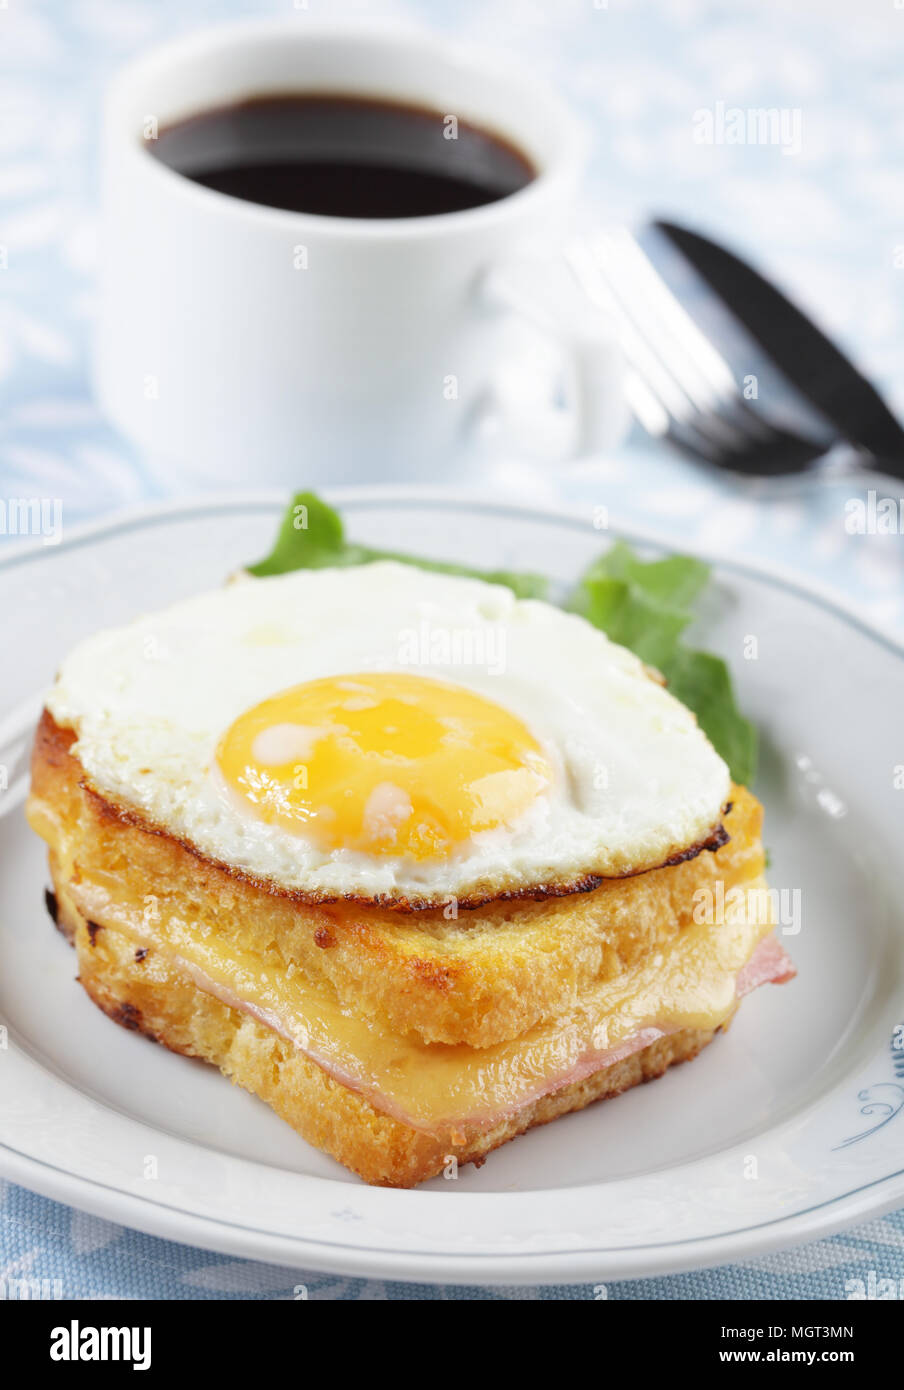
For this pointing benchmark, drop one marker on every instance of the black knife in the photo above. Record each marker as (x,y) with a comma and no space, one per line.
(804,355)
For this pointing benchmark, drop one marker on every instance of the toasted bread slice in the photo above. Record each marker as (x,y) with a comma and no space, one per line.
(440,1037)
(142,992)
(480,977)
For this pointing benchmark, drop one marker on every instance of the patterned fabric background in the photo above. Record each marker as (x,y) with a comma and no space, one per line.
(826,220)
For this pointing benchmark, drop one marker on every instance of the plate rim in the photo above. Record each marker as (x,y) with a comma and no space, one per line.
(169,1221)
(784,576)
(449,1267)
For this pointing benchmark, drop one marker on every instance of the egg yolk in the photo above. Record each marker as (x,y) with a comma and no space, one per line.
(386,764)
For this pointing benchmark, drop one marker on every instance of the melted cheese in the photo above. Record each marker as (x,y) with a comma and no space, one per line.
(691,983)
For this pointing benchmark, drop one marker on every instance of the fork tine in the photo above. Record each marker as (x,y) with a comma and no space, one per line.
(701,368)
(589,276)
(701,371)
(682,412)
(680,375)
(641,284)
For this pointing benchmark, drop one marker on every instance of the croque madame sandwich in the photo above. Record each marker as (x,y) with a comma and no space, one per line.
(417,862)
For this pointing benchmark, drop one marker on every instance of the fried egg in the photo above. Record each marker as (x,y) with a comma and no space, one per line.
(390,734)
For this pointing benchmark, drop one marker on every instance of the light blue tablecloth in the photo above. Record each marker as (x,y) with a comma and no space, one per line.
(828,220)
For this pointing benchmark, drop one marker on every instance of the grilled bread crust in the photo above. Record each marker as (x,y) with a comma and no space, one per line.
(480,977)
(142,992)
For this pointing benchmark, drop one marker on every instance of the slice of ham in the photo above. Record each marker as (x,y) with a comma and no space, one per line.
(769,964)
(315,1036)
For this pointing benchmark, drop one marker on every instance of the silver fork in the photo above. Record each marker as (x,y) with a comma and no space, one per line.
(678,385)
(16,731)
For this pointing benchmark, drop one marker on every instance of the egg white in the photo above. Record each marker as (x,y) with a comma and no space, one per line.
(636,781)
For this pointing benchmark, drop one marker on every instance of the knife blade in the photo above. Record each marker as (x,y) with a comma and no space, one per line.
(804,355)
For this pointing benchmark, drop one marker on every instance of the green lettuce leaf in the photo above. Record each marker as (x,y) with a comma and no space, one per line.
(645,606)
(312,536)
(630,617)
(703,683)
(675,581)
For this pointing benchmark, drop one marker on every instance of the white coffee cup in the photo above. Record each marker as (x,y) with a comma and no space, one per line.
(241,344)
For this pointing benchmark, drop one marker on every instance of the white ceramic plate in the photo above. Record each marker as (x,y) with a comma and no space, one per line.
(785,1129)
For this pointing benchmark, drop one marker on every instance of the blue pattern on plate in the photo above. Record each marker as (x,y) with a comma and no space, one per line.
(828,222)
(883,1101)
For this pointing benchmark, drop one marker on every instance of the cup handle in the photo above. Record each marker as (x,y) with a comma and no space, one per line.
(583,356)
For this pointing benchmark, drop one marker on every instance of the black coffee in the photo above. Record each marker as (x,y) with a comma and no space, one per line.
(343,156)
